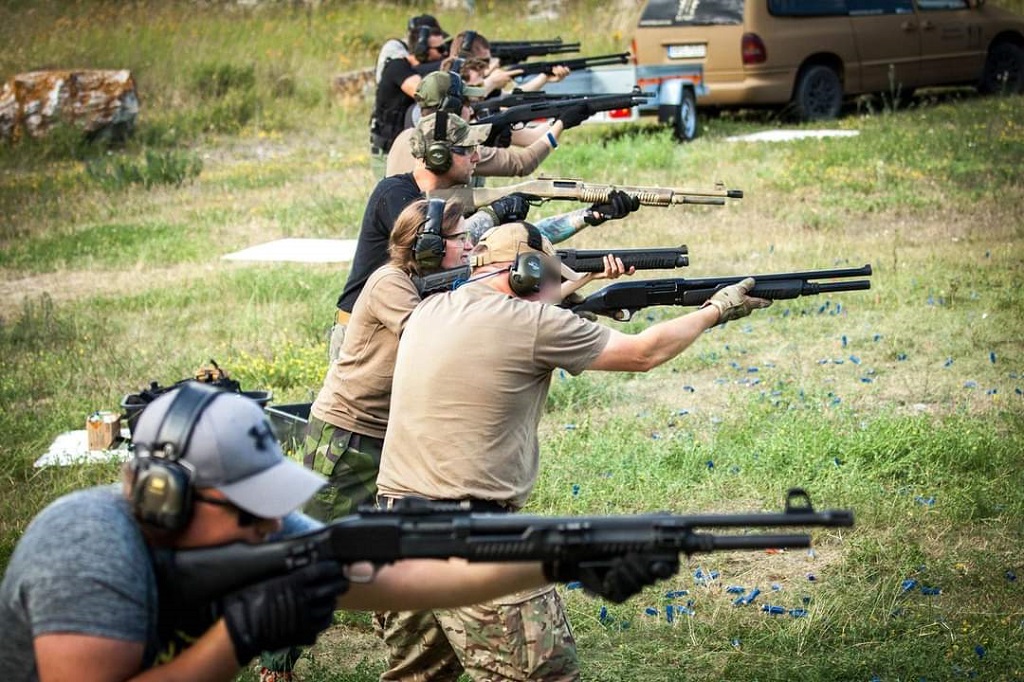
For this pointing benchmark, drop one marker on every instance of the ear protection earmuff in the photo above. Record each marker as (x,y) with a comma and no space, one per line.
(421,50)
(452,100)
(438,157)
(429,247)
(526,276)
(162,482)
(466,48)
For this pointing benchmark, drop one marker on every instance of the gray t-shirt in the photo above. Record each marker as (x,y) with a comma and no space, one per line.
(83,567)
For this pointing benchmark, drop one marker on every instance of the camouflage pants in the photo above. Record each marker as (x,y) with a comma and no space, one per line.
(521,637)
(352,480)
(350,462)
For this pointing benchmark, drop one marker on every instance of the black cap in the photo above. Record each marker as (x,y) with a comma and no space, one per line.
(425,20)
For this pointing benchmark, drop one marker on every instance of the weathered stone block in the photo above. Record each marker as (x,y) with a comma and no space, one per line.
(100,102)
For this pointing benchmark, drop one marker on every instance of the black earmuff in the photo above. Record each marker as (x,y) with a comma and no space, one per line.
(466,48)
(438,157)
(526,276)
(162,483)
(452,100)
(429,247)
(421,49)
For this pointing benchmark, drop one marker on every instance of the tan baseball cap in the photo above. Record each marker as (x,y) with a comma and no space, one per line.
(456,132)
(504,243)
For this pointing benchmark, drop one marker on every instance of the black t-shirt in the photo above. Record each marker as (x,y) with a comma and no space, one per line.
(428,68)
(391,102)
(389,198)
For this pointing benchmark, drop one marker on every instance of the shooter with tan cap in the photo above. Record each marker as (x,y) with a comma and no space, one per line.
(445,90)
(470,402)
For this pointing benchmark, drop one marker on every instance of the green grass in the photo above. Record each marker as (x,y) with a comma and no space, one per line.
(903,403)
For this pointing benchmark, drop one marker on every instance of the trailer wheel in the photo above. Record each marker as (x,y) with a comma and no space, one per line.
(684,122)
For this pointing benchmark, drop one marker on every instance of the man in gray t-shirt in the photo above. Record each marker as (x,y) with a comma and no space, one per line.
(80,598)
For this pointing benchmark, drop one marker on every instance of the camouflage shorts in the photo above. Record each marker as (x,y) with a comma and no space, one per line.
(349,461)
(522,637)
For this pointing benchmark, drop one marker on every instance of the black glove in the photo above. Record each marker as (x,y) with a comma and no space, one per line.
(574,115)
(510,209)
(501,136)
(617,580)
(619,205)
(283,612)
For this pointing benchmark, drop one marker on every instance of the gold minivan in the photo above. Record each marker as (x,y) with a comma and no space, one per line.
(810,54)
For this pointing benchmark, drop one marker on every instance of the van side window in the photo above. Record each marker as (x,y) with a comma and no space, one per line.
(859,8)
(692,13)
(929,5)
(807,8)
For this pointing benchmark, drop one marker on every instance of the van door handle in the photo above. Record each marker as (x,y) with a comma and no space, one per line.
(927,25)
(908,26)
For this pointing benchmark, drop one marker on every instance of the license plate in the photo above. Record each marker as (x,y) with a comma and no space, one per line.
(692,51)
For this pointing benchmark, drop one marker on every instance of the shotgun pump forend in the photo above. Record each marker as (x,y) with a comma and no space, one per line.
(592,260)
(417,528)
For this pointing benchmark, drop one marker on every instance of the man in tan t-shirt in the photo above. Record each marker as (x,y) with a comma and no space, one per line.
(471,378)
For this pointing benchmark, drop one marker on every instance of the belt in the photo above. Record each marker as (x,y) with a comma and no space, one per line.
(475,505)
(357,439)
(341,316)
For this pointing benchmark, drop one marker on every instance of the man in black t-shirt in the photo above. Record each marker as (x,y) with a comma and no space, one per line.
(395,93)
(392,195)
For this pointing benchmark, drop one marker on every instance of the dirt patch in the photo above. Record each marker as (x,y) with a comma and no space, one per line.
(72,285)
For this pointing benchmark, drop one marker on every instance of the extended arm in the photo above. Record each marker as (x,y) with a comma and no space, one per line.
(86,658)
(419,584)
(662,342)
(518,160)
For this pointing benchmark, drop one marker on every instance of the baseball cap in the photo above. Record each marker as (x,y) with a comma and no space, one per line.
(424,20)
(504,243)
(457,132)
(234,450)
(434,88)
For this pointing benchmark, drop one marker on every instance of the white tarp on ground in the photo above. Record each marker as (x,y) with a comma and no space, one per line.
(787,135)
(72,447)
(299,251)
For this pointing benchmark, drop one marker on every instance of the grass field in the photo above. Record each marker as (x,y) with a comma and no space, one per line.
(903,403)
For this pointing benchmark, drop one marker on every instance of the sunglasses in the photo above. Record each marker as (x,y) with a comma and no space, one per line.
(245,519)
(463,151)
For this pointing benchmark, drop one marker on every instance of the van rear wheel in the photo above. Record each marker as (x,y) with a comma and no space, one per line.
(684,121)
(1004,70)
(818,95)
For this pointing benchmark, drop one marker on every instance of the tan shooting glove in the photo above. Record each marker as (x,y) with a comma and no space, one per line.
(733,303)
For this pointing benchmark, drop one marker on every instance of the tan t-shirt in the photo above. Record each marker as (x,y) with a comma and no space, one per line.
(471,377)
(356,394)
(502,162)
